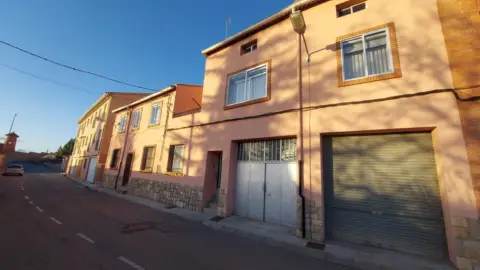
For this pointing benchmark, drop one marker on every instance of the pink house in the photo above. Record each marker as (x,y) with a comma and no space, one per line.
(358,140)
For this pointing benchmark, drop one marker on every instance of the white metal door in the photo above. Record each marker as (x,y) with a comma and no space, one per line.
(91,170)
(249,191)
(280,194)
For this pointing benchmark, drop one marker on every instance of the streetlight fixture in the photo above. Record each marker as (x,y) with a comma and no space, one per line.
(298,22)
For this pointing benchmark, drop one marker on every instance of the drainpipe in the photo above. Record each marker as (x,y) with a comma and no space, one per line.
(129,113)
(300,135)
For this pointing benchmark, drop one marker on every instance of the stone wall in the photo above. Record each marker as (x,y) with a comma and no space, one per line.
(184,196)
(467,233)
(222,199)
(108,180)
(314,225)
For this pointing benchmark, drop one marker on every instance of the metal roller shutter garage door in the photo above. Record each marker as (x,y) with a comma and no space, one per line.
(382,190)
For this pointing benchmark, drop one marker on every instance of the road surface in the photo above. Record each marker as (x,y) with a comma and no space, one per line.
(49,222)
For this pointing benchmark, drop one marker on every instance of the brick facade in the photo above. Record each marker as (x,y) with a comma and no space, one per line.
(461,28)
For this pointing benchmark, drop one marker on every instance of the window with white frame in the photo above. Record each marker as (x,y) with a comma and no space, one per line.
(367,55)
(351,9)
(136,118)
(155,114)
(247,85)
(121,123)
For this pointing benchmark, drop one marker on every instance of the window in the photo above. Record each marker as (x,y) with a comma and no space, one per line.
(121,123)
(270,150)
(90,142)
(343,11)
(155,114)
(248,47)
(94,120)
(367,55)
(175,158)
(147,158)
(99,138)
(136,118)
(247,85)
(114,161)
(85,163)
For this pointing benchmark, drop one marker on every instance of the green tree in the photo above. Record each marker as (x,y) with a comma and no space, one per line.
(67,149)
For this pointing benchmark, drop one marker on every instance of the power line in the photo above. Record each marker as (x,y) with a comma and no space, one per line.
(76,69)
(47,79)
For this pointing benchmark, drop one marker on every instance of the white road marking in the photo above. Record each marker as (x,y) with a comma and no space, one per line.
(132,264)
(84,237)
(30,202)
(39,209)
(56,220)
(26,197)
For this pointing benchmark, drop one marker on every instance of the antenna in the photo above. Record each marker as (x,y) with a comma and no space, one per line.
(227,23)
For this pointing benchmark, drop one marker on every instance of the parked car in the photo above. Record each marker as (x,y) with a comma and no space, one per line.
(14,169)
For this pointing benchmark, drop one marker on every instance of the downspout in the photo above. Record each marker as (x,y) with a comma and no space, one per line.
(169,102)
(124,145)
(300,135)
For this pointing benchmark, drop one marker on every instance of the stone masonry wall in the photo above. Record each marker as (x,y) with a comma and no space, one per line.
(108,181)
(314,225)
(182,196)
(467,233)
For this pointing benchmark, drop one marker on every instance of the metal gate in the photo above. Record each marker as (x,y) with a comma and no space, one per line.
(266,181)
(382,190)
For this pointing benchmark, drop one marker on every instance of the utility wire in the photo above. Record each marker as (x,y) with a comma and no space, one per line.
(47,79)
(76,69)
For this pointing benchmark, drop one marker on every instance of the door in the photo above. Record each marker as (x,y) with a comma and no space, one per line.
(266,181)
(127,170)
(92,167)
(218,178)
(382,191)
(281,197)
(250,190)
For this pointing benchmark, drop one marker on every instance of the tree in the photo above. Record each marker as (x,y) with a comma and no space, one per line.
(67,149)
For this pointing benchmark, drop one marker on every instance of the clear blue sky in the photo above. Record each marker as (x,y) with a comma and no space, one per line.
(151,43)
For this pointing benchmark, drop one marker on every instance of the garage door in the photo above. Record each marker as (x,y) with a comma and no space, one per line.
(266,181)
(382,190)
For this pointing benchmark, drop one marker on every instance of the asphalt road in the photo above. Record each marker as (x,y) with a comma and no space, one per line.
(49,222)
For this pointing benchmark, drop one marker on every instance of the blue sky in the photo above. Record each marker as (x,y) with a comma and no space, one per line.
(151,43)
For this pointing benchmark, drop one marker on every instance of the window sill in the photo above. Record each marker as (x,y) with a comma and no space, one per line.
(120,132)
(178,174)
(146,171)
(153,125)
(134,129)
(246,103)
(396,74)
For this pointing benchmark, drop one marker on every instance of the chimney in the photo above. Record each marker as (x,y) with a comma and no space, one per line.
(10,142)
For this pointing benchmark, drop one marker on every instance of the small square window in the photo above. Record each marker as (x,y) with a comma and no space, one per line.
(350,7)
(249,47)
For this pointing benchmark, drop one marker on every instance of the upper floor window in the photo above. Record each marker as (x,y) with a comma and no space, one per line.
(248,47)
(367,55)
(247,85)
(136,118)
(350,7)
(121,123)
(155,114)
(99,139)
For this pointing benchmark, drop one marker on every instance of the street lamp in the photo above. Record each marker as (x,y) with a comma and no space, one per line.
(298,22)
